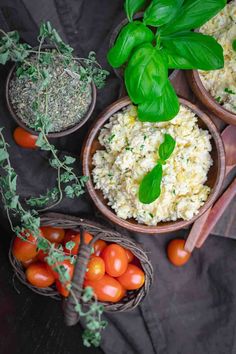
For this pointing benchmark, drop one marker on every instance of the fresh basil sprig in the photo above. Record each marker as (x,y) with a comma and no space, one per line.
(150,187)
(174,46)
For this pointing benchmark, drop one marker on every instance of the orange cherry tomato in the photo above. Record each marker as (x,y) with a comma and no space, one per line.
(99,246)
(176,252)
(26,264)
(107,289)
(62,288)
(24,138)
(53,234)
(76,240)
(23,250)
(122,294)
(129,255)
(115,259)
(133,278)
(96,268)
(39,275)
(66,264)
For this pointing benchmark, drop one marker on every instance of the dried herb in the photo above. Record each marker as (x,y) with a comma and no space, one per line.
(174,46)
(36,68)
(29,224)
(150,187)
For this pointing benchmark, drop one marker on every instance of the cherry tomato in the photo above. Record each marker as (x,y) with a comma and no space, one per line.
(107,289)
(53,234)
(96,268)
(24,138)
(129,255)
(68,235)
(26,264)
(99,246)
(62,289)
(76,240)
(176,252)
(122,294)
(66,264)
(133,278)
(115,259)
(39,275)
(41,255)
(24,250)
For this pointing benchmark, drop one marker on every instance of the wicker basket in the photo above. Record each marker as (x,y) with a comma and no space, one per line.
(131,300)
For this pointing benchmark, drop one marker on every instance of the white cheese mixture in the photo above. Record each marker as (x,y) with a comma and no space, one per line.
(222,83)
(131,151)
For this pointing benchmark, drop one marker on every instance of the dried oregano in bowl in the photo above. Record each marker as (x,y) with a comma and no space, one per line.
(48,84)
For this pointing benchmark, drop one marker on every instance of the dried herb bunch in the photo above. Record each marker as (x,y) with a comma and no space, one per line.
(35,70)
(29,222)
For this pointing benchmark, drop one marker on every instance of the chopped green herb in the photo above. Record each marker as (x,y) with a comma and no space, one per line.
(151,215)
(229,91)
(141,147)
(234,45)
(218,99)
(111,137)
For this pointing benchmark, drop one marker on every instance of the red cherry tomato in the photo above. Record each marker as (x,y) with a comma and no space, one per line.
(99,246)
(76,240)
(107,289)
(122,294)
(39,275)
(53,234)
(66,264)
(26,264)
(96,268)
(24,138)
(129,255)
(176,252)
(115,259)
(41,255)
(62,289)
(133,278)
(68,235)
(24,250)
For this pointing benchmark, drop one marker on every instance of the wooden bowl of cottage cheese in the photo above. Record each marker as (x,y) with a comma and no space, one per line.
(216,89)
(120,150)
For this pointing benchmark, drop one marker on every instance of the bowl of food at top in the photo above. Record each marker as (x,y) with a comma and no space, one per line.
(153,177)
(216,89)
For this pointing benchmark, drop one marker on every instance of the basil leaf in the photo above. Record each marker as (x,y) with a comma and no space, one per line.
(167,147)
(132,6)
(193,14)
(160,12)
(199,51)
(175,61)
(150,187)
(161,108)
(146,74)
(132,35)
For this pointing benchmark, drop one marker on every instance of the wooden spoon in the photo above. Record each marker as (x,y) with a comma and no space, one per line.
(196,238)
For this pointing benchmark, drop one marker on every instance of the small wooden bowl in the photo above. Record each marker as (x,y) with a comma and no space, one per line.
(206,98)
(215,175)
(61,133)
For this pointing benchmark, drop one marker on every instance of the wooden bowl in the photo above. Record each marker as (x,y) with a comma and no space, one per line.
(207,99)
(61,133)
(215,175)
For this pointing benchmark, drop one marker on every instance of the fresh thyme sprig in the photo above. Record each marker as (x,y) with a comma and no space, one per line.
(87,71)
(29,224)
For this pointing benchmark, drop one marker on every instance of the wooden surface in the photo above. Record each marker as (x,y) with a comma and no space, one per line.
(227,224)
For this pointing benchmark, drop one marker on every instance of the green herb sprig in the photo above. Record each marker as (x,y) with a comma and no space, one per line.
(150,187)
(148,56)
(29,222)
(89,70)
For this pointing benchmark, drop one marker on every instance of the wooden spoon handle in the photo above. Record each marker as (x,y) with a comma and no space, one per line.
(196,231)
(216,212)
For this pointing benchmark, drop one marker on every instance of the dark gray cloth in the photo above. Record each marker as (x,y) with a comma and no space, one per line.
(190,310)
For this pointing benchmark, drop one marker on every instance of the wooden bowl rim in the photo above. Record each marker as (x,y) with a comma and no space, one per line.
(208,100)
(142,228)
(60,134)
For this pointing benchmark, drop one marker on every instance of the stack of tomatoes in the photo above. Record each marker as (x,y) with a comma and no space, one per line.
(112,270)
